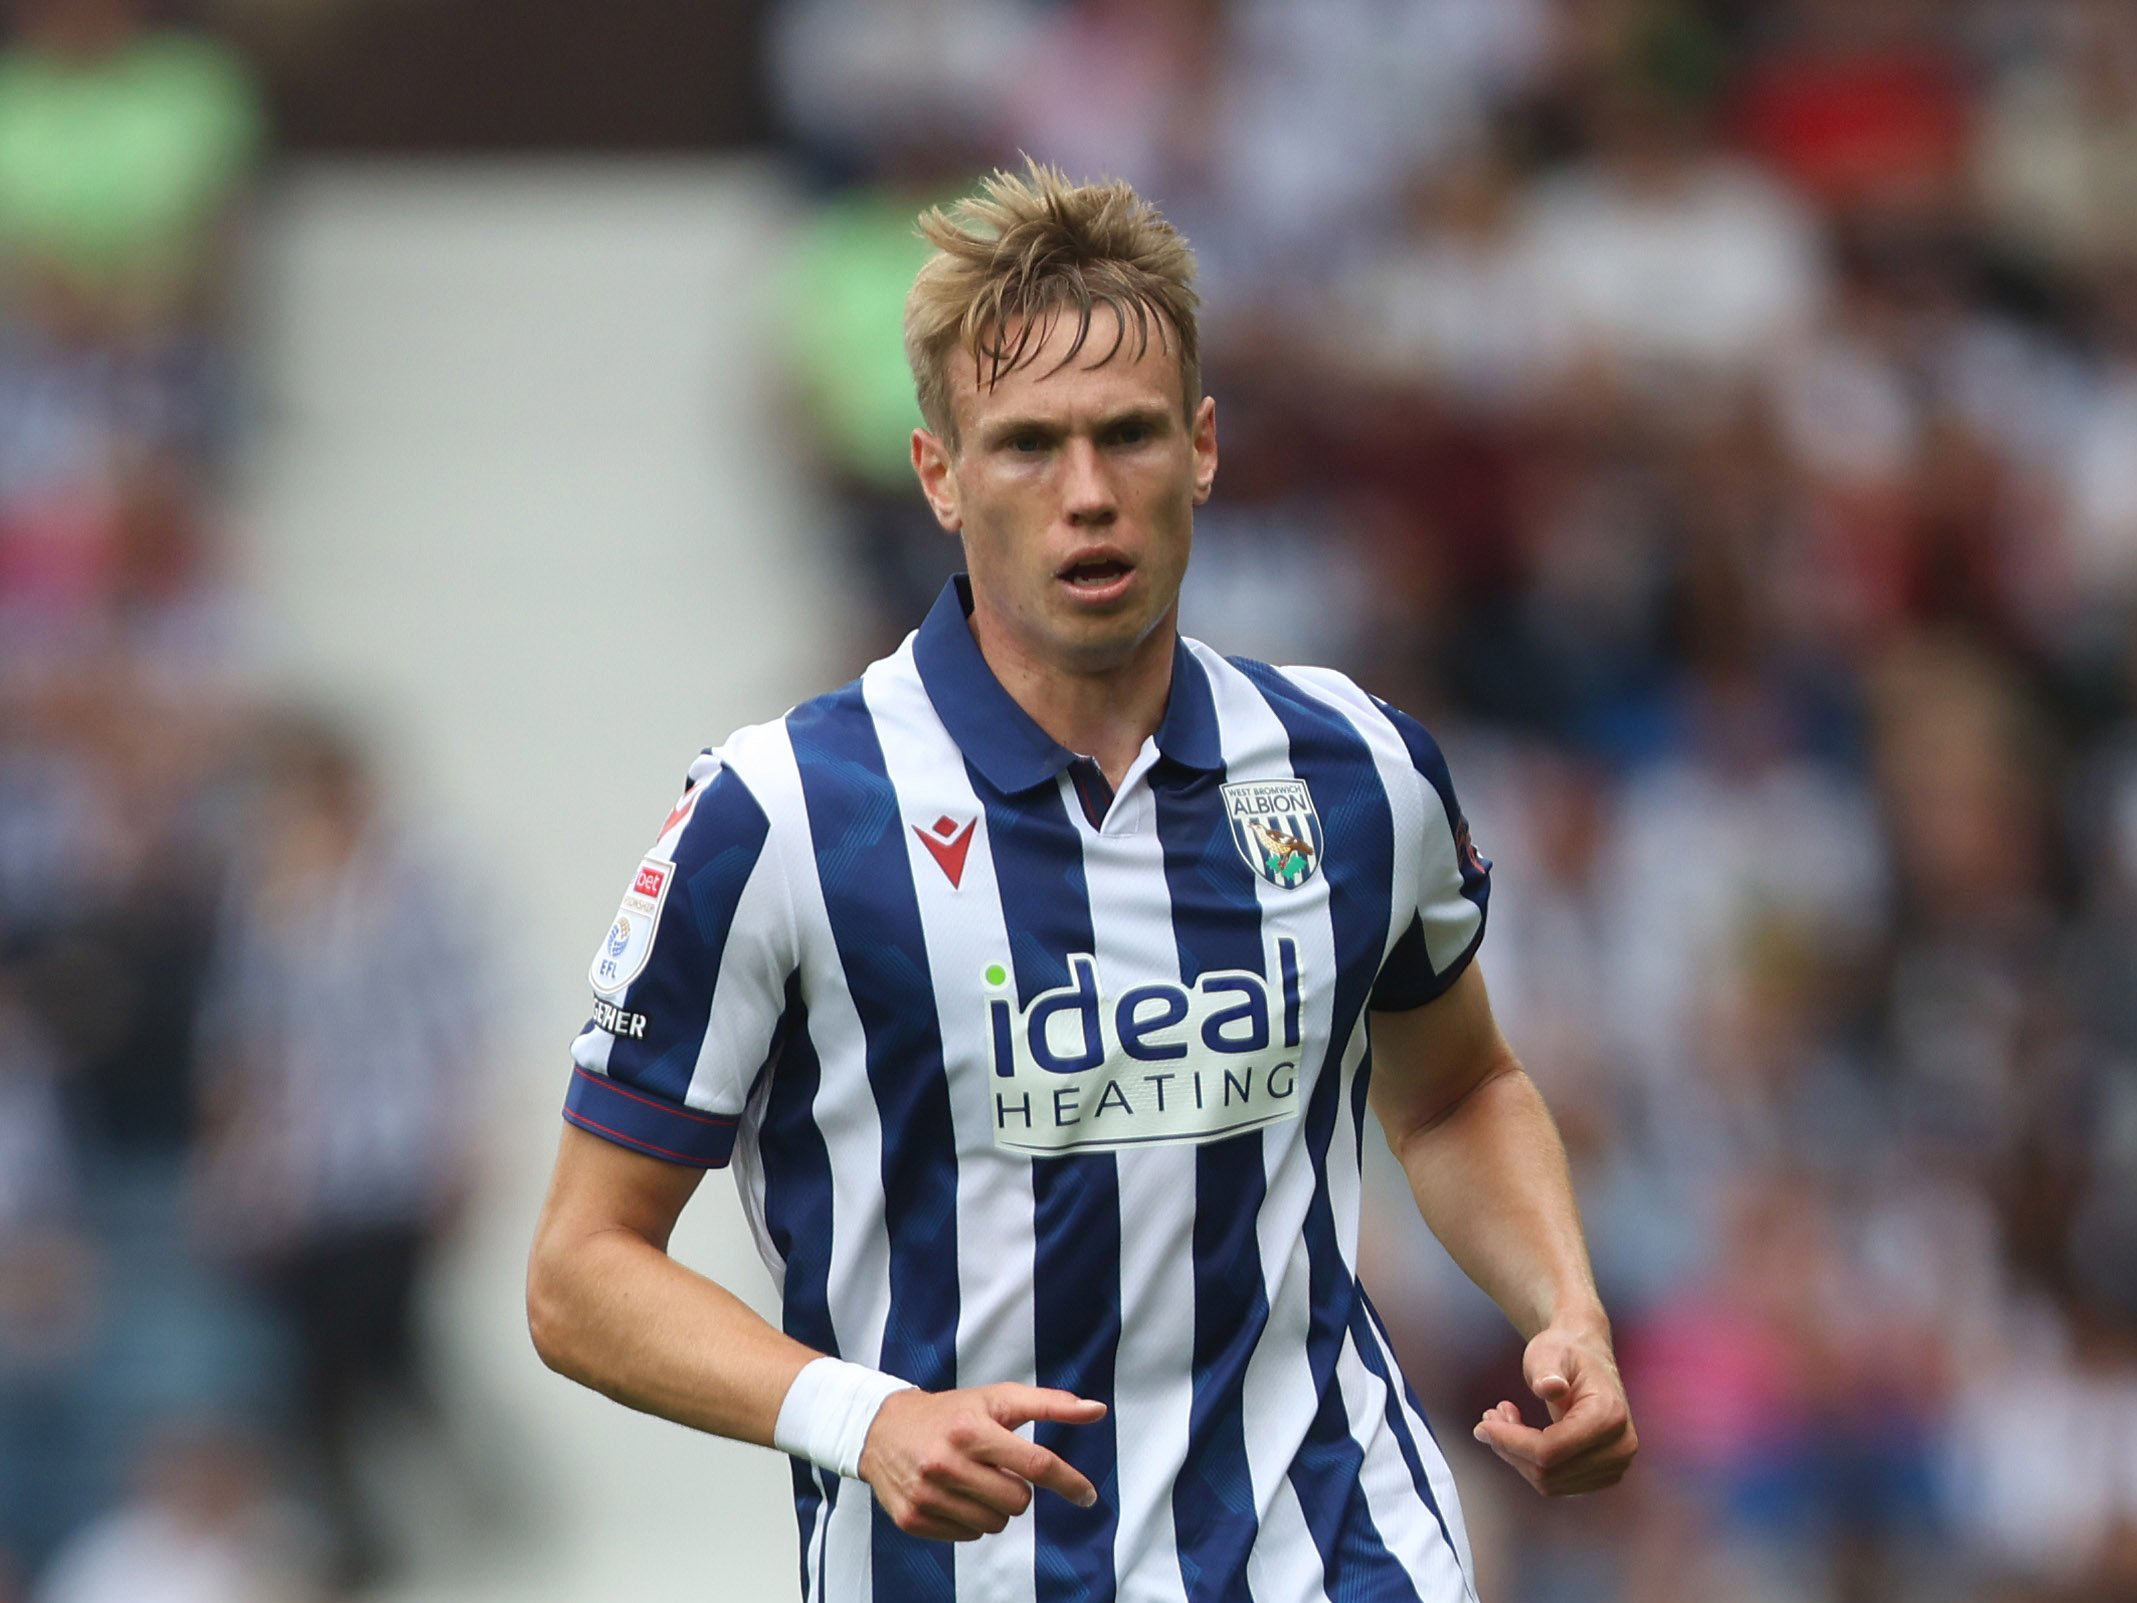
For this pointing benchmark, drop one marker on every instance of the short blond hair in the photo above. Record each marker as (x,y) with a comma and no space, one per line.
(1025,250)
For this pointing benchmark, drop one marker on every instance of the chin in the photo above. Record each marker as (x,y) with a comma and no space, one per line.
(1106,641)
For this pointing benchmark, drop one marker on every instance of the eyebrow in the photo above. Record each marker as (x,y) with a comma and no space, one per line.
(1151,417)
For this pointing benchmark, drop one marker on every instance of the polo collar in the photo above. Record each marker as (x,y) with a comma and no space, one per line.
(999,737)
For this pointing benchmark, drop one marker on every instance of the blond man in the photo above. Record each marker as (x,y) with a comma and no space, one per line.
(1036,985)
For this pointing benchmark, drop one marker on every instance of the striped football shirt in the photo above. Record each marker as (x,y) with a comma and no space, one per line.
(1025,1079)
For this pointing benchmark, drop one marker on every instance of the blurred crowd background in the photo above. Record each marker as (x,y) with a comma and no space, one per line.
(1716,418)
(1719,421)
(230,1013)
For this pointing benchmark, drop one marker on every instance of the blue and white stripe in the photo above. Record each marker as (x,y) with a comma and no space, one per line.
(815,1007)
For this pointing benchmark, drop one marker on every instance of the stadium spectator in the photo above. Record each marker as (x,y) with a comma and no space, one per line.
(853,78)
(853,258)
(204,1526)
(1862,104)
(2099,471)
(1456,304)
(344,1018)
(2056,164)
(161,129)
(48,1297)
(1670,260)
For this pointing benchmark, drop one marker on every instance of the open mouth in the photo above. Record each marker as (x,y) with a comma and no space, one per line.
(1096,574)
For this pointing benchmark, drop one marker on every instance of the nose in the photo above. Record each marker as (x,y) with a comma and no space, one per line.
(1087,488)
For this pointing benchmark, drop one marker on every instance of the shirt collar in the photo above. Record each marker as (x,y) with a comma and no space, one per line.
(999,737)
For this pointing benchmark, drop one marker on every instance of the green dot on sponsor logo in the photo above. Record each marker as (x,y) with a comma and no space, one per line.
(997,975)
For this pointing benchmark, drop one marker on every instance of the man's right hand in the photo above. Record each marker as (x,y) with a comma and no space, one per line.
(950,1465)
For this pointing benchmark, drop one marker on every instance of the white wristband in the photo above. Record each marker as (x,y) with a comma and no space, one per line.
(828,1410)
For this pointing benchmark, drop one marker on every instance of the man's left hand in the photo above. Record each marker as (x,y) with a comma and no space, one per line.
(1590,1440)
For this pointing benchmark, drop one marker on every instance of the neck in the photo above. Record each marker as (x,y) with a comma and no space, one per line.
(1102,713)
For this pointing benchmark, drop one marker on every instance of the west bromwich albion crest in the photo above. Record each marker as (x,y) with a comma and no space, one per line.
(1276,829)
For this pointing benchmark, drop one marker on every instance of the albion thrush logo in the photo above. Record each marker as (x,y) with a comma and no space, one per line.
(947,842)
(1276,829)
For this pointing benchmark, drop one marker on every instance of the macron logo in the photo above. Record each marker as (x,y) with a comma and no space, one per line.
(947,842)
(682,809)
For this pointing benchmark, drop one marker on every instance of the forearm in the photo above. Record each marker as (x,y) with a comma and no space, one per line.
(1490,1178)
(613,1311)
(609,1308)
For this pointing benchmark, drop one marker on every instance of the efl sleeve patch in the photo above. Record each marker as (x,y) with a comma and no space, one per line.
(689,980)
(629,942)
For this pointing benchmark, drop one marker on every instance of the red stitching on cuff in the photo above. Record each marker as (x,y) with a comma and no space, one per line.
(574,1116)
(721,1119)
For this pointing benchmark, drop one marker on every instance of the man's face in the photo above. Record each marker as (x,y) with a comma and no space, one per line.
(1074,490)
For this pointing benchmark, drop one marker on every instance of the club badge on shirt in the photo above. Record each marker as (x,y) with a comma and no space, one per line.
(1276,829)
(629,942)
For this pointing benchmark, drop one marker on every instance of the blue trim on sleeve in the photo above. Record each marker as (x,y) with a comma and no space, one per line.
(1431,763)
(649,1124)
(715,856)
(1406,979)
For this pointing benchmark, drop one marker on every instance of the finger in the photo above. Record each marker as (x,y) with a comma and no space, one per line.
(998,1489)
(939,1530)
(1555,1391)
(1610,1459)
(1501,1417)
(967,1501)
(1519,1445)
(1504,1413)
(1568,1441)
(1592,1424)
(960,1508)
(1038,1466)
(1013,1405)
(1556,1451)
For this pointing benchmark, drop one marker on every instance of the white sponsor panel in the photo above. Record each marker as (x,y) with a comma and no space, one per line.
(1081,1069)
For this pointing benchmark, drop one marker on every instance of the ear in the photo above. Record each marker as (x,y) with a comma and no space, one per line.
(1203,439)
(937,472)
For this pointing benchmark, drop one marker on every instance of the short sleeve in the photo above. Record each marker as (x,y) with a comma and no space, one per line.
(689,981)
(1452,890)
